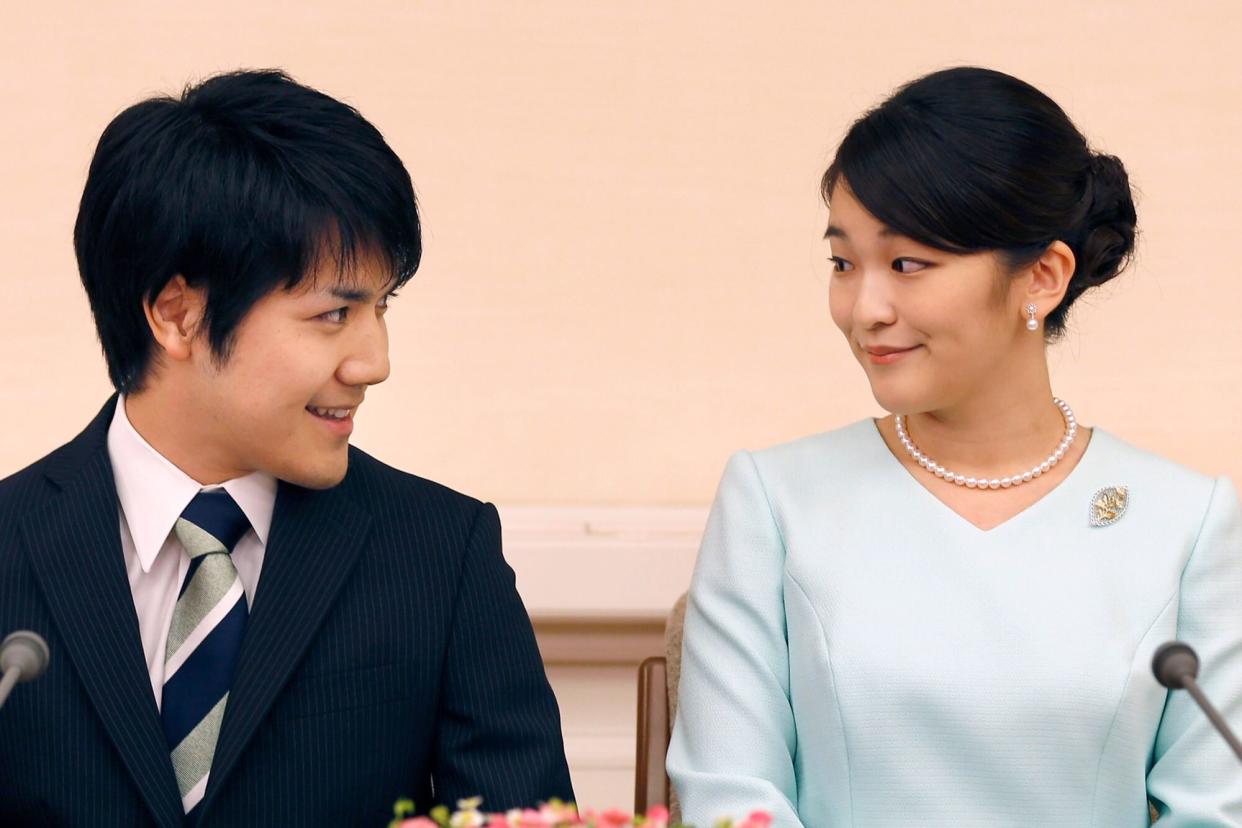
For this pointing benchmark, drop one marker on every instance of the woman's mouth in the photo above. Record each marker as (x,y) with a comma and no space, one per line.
(878,355)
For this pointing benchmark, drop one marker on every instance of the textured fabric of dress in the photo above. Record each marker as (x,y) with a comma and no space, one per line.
(858,654)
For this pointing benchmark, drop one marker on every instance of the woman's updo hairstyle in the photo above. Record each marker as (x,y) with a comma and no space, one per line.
(968,159)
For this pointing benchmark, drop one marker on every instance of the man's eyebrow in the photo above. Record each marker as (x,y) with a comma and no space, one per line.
(350,294)
(347,294)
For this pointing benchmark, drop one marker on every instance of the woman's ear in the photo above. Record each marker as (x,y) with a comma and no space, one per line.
(174,317)
(1046,280)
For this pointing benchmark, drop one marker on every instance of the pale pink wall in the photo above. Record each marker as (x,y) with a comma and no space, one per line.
(623,280)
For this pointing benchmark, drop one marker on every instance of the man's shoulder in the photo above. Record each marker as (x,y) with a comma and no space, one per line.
(29,483)
(41,477)
(399,495)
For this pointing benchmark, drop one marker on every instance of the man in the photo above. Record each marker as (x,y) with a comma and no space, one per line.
(252,622)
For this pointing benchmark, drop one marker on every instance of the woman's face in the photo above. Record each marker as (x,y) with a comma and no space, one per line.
(931,329)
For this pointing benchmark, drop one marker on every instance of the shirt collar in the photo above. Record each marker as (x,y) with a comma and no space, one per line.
(153,492)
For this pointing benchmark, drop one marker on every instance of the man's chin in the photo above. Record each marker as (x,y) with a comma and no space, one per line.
(322,477)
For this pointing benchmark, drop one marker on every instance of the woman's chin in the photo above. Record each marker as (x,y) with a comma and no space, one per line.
(899,400)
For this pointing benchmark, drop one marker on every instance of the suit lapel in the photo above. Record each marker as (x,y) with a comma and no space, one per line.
(75,553)
(314,543)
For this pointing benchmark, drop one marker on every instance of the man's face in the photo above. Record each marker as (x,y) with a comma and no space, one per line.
(300,361)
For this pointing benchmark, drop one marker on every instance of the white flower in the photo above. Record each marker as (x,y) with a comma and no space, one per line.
(466,819)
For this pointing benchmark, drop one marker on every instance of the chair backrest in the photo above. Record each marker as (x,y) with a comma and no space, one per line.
(650,781)
(658,678)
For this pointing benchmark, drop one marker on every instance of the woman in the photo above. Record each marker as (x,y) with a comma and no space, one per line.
(947,617)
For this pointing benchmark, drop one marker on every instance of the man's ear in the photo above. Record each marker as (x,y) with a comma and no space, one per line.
(175,316)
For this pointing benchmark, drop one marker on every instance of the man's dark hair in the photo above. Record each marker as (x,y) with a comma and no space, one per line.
(970,159)
(242,185)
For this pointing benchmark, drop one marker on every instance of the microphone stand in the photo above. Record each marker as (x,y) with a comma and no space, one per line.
(1176,665)
(1217,720)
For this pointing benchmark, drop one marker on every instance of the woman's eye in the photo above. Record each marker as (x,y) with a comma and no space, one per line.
(840,265)
(388,297)
(337,315)
(908,265)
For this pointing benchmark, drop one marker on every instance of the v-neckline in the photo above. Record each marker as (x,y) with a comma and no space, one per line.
(1088,454)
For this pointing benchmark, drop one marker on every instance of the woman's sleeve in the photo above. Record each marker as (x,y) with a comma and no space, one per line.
(1195,779)
(734,739)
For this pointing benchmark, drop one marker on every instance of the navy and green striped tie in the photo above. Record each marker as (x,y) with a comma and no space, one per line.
(204,639)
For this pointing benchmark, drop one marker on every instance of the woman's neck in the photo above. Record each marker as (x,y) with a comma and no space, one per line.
(992,434)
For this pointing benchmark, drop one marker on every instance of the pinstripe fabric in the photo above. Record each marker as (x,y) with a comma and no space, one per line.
(386,651)
(62,574)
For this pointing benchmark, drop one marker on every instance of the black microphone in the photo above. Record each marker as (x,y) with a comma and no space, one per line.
(23,657)
(1176,666)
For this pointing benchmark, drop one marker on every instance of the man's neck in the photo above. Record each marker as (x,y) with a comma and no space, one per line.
(174,433)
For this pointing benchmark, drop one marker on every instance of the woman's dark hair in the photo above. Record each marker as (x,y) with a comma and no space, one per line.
(242,185)
(969,159)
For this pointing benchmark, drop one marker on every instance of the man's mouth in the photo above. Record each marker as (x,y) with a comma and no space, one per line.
(331,413)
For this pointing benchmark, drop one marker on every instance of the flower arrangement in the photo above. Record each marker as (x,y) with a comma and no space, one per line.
(553,814)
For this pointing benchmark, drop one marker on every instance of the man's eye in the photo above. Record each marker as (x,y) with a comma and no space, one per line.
(908,265)
(840,265)
(388,297)
(332,315)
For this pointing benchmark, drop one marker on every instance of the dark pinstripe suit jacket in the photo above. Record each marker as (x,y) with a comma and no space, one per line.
(387,652)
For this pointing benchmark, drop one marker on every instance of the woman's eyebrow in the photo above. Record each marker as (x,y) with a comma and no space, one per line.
(835,232)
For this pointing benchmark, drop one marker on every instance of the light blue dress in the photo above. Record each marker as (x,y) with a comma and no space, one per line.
(857,654)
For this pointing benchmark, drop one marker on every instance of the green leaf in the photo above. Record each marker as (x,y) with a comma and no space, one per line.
(401,809)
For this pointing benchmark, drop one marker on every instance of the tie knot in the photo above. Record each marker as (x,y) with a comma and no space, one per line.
(213,522)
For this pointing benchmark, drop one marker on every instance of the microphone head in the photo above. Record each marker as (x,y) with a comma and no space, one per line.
(1173,663)
(26,651)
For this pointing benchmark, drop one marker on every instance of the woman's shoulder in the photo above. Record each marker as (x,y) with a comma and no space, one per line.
(1164,499)
(1126,461)
(845,453)
(848,440)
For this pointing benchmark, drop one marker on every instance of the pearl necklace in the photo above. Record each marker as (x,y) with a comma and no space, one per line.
(1071,430)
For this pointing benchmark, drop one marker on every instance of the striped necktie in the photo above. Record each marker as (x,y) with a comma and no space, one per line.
(204,639)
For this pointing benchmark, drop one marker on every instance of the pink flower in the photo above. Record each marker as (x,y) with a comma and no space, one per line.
(757,819)
(614,818)
(560,813)
(530,818)
(552,814)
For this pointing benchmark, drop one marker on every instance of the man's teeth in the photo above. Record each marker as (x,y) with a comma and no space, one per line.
(331,413)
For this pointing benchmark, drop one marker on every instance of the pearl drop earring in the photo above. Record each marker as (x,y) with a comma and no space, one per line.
(1031,323)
